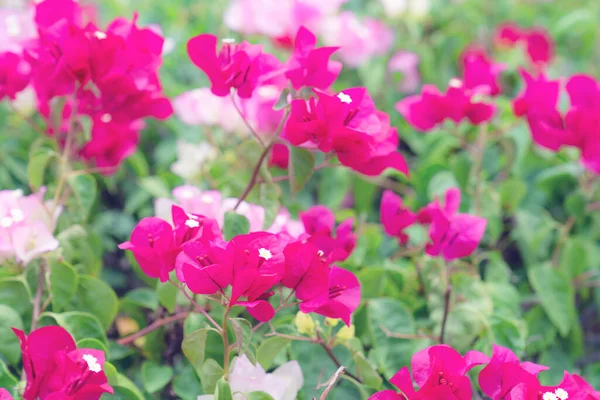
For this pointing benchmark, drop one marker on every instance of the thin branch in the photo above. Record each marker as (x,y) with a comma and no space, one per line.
(332,381)
(446,312)
(241,113)
(409,336)
(334,357)
(198,307)
(39,292)
(152,327)
(564,235)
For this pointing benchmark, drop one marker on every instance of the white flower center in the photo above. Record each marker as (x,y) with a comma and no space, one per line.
(344,98)
(228,40)
(106,118)
(549,396)
(265,253)
(17,214)
(100,35)
(455,83)
(192,223)
(6,222)
(561,394)
(92,363)
(320,253)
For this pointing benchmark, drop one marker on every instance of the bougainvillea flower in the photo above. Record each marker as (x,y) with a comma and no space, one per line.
(201,266)
(407,63)
(395,217)
(340,300)
(153,245)
(192,227)
(280,156)
(237,66)
(480,73)
(538,43)
(359,39)
(319,225)
(505,371)
(571,387)
(453,235)
(56,369)
(14,74)
(423,112)
(309,66)
(5,395)
(200,107)
(540,95)
(306,270)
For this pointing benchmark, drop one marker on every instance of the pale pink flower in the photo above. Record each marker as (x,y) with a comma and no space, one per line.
(407,63)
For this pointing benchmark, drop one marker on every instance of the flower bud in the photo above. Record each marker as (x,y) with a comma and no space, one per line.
(345,334)
(332,322)
(305,324)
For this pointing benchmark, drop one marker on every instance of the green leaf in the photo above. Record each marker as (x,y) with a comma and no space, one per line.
(96,297)
(81,325)
(15,293)
(210,373)
(167,295)
(37,166)
(235,224)
(155,186)
(334,185)
(301,168)
(243,333)
(557,295)
(9,343)
(259,396)
(155,377)
(223,391)
(7,380)
(186,384)
(125,389)
(89,343)
(144,297)
(368,372)
(63,284)
(84,191)
(194,347)
(269,349)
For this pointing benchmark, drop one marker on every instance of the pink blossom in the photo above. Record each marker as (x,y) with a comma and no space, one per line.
(200,107)
(14,74)
(26,226)
(17,28)
(453,235)
(407,63)
(55,368)
(280,156)
(537,42)
(395,217)
(306,271)
(336,244)
(310,66)
(5,395)
(203,267)
(480,73)
(358,40)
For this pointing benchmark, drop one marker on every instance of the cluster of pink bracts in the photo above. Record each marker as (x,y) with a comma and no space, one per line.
(254,264)
(440,373)
(109,76)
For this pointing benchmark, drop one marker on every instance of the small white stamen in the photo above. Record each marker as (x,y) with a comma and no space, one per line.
(6,222)
(549,396)
(192,223)
(265,253)
(92,363)
(561,394)
(100,35)
(320,253)
(17,214)
(192,216)
(455,83)
(207,199)
(228,40)
(344,98)
(106,118)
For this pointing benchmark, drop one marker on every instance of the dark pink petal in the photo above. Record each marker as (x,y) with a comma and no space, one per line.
(261,310)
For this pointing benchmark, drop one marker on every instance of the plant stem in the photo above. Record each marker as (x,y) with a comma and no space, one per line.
(152,327)
(564,235)
(241,113)
(332,381)
(39,292)
(446,312)
(334,358)
(225,336)
(198,306)
(409,336)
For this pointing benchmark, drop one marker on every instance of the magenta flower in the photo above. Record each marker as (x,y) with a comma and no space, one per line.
(5,395)
(480,73)
(571,387)
(453,235)
(14,74)
(56,369)
(234,66)
(537,42)
(504,372)
(203,268)
(306,271)
(395,217)
(309,66)
(340,300)
(336,244)
(280,156)
(111,142)
(540,95)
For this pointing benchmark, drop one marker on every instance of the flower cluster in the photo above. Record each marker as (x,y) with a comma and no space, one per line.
(251,265)
(452,234)
(107,76)
(26,226)
(440,373)
(537,42)
(463,99)
(56,369)
(553,130)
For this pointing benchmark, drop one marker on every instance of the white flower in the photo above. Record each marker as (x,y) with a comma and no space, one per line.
(282,384)
(191,158)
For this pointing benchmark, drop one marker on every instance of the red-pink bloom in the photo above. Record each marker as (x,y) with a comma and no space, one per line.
(56,369)
(540,95)
(153,245)
(310,66)
(203,268)
(5,395)
(111,142)
(234,66)
(14,74)
(480,73)
(453,235)
(280,156)
(439,372)
(538,43)
(505,374)
(395,217)
(572,387)
(423,112)
(306,271)
(340,300)
(336,244)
